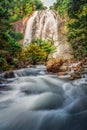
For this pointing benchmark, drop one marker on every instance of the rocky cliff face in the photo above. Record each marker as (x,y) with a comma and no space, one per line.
(21,25)
(45,25)
(64,45)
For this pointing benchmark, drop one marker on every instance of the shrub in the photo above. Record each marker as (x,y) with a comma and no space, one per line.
(34,54)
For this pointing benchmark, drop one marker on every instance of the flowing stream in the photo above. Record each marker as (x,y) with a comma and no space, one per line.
(34,100)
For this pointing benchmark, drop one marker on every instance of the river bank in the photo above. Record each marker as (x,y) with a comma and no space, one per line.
(70,67)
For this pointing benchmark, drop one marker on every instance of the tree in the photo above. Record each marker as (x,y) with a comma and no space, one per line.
(8,37)
(77,27)
(61,7)
(37,5)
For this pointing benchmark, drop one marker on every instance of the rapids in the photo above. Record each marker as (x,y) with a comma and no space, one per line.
(35,100)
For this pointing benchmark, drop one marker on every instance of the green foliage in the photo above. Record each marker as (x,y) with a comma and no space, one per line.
(34,54)
(61,7)
(37,4)
(46,46)
(3,64)
(21,8)
(8,37)
(38,51)
(75,13)
(2,60)
(75,7)
(77,27)
(10,43)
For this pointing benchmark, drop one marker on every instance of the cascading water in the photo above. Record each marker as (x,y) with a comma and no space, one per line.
(34,100)
(44,25)
(28,32)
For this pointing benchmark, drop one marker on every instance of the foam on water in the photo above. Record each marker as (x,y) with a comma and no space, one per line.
(43,102)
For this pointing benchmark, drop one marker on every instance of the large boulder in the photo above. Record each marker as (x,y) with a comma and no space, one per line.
(54,65)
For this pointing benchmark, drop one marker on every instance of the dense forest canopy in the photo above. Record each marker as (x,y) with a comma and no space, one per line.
(74,11)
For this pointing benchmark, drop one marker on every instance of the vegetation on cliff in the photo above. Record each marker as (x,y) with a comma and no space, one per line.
(77,27)
(74,12)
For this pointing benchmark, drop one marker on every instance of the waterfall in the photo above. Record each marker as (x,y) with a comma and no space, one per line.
(44,25)
(28,32)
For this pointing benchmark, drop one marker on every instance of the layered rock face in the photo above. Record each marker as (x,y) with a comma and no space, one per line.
(20,25)
(46,25)
(42,24)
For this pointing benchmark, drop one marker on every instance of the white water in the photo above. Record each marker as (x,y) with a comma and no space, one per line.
(28,32)
(44,25)
(34,100)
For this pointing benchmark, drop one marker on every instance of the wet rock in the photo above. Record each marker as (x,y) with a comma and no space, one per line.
(9,74)
(62,73)
(22,64)
(78,68)
(4,87)
(63,68)
(75,75)
(54,65)
(70,61)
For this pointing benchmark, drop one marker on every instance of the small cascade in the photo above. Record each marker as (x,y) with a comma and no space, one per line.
(37,70)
